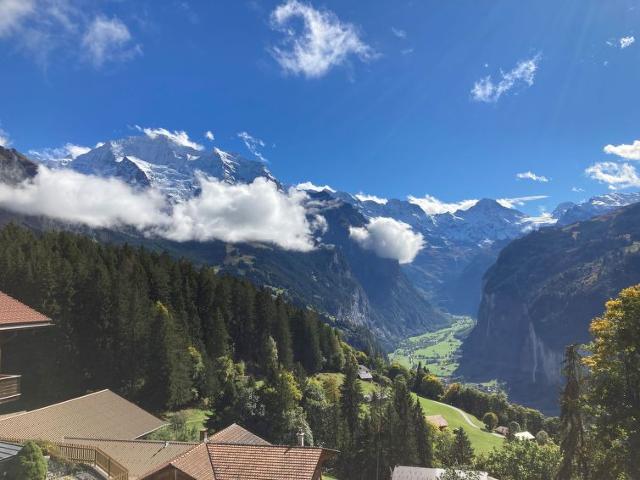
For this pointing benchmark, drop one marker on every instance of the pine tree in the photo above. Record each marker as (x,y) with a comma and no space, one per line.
(461,449)
(351,396)
(572,431)
(217,338)
(424,435)
(282,334)
(405,451)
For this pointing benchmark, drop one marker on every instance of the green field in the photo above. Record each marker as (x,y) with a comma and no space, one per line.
(481,440)
(438,351)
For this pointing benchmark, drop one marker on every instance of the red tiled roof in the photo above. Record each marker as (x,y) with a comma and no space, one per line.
(196,463)
(265,462)
(260,460)
(234,433)
(15,315)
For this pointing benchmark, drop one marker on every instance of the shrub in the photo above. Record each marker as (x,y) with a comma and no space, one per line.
(542,437)
(490,421)
(29,464)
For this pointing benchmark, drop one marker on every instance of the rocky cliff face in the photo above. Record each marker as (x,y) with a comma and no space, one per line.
(15,167)
(541,295)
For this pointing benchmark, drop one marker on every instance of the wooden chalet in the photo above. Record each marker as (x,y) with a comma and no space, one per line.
(15,317)
(438,421)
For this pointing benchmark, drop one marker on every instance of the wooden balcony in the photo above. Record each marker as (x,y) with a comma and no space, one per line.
(9,388)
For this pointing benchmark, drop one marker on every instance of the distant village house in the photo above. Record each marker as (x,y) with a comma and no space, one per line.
(364,373)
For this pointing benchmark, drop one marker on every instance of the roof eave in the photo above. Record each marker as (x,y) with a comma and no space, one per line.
(24,326)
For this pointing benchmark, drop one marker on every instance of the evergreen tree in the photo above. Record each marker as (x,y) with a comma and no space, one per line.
(217,338)
(461,449)
(424,434)
(405,451)
(572,432)
(351,396)
(282,334)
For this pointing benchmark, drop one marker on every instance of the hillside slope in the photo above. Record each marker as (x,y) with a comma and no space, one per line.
(541,295)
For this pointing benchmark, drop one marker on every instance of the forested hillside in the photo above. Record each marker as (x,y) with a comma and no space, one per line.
(138,322)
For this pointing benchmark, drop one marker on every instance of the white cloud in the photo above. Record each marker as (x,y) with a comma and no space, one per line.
(308,186)
(256,212)
(529,175)
(179,137)
(107,40)
(253,144)
(615,175)
(389,238)
(519,201)
(243,213)
(323,43)
(5,140)
(12,12)
(67,152)
(577,189)
(48,30)
(399,32)
(545,219)
(432,206)
(627,41)
(363,197)
(69,196)
(209,135)
(485,90)
(629,152)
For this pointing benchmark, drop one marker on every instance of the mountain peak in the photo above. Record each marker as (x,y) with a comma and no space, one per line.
(167,161)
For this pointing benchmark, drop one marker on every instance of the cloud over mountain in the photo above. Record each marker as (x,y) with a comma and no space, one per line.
(389,238)
(615,175)
(432,206)
(254,212)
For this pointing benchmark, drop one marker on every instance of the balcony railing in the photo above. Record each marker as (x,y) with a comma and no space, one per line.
(9,388)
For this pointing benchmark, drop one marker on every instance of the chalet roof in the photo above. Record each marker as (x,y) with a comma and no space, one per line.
(101,414)
(9,450)
(137,456)
(196,463)
(524,436)
(419,473)
(364,373)
(438,421)
(502,430)
(234,433)
(265,462)
(15,315)
(232,461)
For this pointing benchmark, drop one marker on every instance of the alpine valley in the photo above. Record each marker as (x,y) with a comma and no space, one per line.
(487,257)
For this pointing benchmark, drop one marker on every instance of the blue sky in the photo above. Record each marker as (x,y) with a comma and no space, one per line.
(385,104)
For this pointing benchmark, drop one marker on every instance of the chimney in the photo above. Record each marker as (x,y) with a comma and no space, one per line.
(204,435)
(300,436)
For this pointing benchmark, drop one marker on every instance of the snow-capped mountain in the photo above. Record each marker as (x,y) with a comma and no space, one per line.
(459,246)
(165,163)
(569,212)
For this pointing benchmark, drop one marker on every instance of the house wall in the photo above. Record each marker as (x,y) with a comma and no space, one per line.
(169,473)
